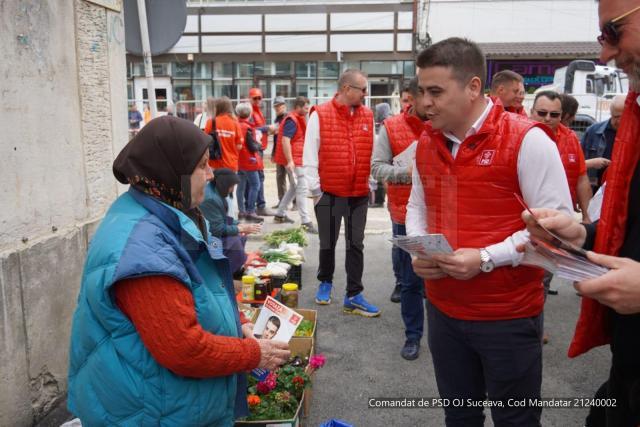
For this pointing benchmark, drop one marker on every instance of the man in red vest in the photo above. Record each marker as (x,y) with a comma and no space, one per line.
(289,149)
(483,308)
(398,134)
(508,87)
(547,109)
(263,130)
(337,162)
(610,312)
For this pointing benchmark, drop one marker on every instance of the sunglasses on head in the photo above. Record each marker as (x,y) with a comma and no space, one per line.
(610,33)
(552,114)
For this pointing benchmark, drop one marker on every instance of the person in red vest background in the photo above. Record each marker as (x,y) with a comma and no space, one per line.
(289,149)
(263,130)
(610,312)
(484,310)
(337,162)
(508,87)
(396,135)
(547,109)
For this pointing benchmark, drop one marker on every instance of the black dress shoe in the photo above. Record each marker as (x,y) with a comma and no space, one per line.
(411,350)
(395,295)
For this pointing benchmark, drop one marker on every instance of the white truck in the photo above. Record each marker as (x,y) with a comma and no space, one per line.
(594,86)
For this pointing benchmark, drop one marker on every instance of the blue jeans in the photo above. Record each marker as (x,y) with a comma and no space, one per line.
(411,290)
(260,202)
(498,360)
(249,183)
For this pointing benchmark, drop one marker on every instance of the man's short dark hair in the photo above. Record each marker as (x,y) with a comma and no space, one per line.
(504,77)
(412,87)
(569,105)
(551,94)
(275,320)
(300,101)
(464,57)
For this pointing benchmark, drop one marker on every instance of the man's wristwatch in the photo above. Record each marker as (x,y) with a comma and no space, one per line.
(486,263)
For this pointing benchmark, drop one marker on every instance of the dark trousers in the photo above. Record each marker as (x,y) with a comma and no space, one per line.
(412,291)
(281,181)
(498,359)
(329,213)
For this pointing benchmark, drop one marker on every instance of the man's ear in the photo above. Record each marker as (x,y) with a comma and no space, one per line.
(475,88)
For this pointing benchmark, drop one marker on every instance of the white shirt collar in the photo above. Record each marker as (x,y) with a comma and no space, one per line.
(475,127)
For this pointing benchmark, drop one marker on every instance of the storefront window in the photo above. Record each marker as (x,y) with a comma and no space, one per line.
(283,68)
(223,88)
(328,69)
(326,89)
(181,70)
(242,88)
(202,89)
(182,90)
(409,69)
(222,70)
(382,67)
(306,70)
(244,70)
(345,65)
(202,70)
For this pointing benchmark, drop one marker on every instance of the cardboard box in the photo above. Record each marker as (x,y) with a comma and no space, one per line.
(296,421)
(311,315)
(301,347)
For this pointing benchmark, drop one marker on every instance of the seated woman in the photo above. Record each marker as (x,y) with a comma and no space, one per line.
(156,337)
(221,225)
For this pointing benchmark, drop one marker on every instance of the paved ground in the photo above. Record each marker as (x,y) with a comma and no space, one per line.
(363,355)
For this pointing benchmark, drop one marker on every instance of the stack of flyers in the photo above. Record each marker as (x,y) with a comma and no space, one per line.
(406,158)
(558,256)
(276,322)
(423,245)
(565,264)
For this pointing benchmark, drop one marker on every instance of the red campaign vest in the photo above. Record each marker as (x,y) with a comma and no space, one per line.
(346,142)
(297,142)
(568,146)
(593,327)
(248,161)
(402,130)
(471,201)
(259,121)
(519,111)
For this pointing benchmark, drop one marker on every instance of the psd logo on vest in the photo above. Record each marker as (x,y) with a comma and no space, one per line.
(572,158)
(486,158)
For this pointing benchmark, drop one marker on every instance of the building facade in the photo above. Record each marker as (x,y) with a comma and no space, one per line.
(290,48)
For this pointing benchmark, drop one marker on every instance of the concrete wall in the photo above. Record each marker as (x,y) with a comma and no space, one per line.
(63,119)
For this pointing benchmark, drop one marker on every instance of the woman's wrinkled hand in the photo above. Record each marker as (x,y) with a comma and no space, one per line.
(273,354)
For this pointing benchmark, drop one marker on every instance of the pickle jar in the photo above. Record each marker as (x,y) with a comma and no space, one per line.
(248,283)
(290,295)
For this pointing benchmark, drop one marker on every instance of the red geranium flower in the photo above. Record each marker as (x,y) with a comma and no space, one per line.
(298,381)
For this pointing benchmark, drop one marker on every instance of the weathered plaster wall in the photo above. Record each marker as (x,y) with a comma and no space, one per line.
(62,120)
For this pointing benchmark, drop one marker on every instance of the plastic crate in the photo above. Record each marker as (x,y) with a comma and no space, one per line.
(295,275)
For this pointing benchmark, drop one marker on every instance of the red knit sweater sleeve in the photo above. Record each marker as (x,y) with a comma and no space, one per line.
(163,312)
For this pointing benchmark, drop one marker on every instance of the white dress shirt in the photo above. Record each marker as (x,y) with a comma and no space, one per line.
(542,181)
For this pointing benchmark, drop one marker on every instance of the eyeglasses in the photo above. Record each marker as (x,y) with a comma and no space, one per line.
(257,98)
(610,33)
(361,89)
(552,114)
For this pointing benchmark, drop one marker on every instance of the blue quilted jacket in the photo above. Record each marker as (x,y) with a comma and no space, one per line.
(113,379)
